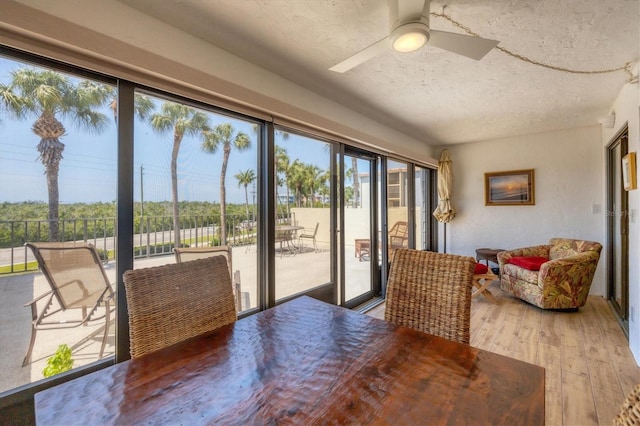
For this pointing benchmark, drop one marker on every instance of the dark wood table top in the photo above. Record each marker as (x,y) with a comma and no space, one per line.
(305,362)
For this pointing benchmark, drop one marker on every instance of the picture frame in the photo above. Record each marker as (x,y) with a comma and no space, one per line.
(510,188)
(629,179)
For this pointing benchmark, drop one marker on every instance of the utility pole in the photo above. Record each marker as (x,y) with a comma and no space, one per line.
(253,196)
(142,206)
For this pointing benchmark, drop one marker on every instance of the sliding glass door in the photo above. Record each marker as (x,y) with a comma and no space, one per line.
(302,248)
(359,242)
(618,232)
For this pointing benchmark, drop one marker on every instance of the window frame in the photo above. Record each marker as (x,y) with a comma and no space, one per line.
(23,396)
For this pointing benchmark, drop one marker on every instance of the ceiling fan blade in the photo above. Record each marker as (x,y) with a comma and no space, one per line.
(469,46)
(362,56)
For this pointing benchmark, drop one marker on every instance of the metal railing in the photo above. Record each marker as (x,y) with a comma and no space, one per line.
(154,237)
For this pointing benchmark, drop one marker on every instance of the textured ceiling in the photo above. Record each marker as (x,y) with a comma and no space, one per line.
(433,95)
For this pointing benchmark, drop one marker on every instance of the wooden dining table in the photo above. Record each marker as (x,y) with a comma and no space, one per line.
(305,362)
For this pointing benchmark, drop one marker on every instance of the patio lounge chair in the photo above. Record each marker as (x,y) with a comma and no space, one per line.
(78,281)
(185,254)
(171,303)
(431,292)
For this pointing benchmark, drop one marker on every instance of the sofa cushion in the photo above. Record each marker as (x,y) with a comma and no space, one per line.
(480,269)
(532,263)
(518,273)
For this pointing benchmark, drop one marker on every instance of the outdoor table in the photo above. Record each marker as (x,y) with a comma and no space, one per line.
(287,236)
(305,362)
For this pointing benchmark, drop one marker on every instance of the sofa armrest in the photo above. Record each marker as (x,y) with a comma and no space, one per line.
(572,271)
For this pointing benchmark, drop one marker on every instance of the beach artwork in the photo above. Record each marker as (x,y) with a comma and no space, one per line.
(509,188)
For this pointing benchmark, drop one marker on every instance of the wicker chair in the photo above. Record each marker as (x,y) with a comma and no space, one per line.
(431,292)
(185,254)
(78,282)
(630,412)
(171,303)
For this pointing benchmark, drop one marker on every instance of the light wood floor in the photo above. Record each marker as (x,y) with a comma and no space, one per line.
(589,368)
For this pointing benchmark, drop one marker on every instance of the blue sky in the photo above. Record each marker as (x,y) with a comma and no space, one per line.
(88,171)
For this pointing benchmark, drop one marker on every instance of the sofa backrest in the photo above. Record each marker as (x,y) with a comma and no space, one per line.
(565,247)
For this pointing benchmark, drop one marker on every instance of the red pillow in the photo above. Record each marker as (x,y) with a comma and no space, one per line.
(480,269)
(531,263)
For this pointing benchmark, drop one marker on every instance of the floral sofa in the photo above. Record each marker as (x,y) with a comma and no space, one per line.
(557,275)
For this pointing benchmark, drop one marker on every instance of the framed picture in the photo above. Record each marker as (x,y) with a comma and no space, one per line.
(512,188)
(629,171)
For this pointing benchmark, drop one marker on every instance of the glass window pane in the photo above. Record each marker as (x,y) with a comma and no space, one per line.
(398,213)
(195,187)
(58,180)
(357,228)
(302,254)
(422,215)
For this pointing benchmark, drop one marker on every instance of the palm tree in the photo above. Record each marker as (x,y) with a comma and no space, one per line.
(182,121)
(296,179)
(143,105)
(323,185)
(224,134)
(312,178)
(280,181)
(246,178)
(282,166)
(356,181)
(49,95)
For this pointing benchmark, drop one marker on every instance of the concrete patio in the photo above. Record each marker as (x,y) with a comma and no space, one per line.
(294,273)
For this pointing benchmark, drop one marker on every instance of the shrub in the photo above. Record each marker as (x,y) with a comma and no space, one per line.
(60,362)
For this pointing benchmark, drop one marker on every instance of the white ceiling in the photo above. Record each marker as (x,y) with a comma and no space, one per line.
(433,95)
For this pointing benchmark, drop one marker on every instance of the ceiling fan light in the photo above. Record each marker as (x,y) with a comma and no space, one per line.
(409,42)
(409,37)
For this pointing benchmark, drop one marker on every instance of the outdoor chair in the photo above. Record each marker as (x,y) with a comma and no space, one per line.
(398,236)
(286,238)
(309,235)
(171,303)
(185,254)
(78,282)
(431,292)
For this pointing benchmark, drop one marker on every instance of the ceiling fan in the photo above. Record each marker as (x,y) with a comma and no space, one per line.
(409,30)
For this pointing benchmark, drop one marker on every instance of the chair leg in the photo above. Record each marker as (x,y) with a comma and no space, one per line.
(107,317)
(236,280)
(27,357)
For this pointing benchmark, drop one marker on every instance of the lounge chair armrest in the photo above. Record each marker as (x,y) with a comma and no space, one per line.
(48,293)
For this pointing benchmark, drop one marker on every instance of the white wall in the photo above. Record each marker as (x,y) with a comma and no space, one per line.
(569,174)
(626,110)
